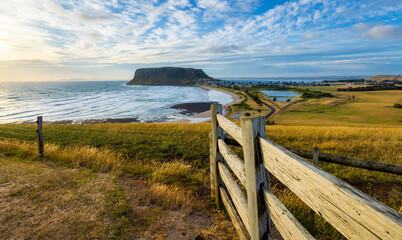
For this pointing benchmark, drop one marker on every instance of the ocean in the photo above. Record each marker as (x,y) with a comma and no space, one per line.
(81,101)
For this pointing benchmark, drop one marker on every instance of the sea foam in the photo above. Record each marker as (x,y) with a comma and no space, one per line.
(81,101)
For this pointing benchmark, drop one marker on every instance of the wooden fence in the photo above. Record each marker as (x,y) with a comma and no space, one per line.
(330,158)
(353,213)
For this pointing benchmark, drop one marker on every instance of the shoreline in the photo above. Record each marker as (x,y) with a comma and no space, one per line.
(201,116)
(236,99)
(207,114)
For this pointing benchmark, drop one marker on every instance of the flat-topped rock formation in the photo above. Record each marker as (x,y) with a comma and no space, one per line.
(168,76)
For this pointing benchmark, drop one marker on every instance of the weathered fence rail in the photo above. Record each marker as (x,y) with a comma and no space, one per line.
(351,212)
(352,162)
(342,160)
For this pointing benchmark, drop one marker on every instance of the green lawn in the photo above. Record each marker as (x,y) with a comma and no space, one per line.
(370,109)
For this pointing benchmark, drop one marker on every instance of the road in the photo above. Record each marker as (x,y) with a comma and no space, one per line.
(273,110)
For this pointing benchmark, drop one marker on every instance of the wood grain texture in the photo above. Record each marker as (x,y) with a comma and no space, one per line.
(232,142)
(217,132)
(350,211)
(41,150)
(235,163)
(353,162)
(234,216)
(311,226)
(251,127)
(237,196)
(285,222)
(229,127)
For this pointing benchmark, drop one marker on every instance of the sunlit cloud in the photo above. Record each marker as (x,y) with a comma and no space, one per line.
(97,33)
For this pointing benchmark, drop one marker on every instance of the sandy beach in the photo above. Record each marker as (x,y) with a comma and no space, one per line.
(207,114)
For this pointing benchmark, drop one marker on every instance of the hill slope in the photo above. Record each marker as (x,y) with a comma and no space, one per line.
(168,76)
(382,78)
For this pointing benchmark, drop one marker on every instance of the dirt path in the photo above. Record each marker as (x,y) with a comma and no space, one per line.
(273,110)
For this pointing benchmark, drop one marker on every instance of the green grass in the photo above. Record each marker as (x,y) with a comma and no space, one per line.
(242,105)
(137,142)
(170,162)
(371,109)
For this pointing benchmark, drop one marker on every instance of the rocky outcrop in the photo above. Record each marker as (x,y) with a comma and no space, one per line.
(168,76)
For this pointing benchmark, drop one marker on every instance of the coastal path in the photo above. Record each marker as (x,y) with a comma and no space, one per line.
(273,110)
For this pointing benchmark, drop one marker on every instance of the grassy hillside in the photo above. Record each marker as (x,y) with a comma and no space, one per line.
(371,109)
(152,180)
(171,162)
(146,198)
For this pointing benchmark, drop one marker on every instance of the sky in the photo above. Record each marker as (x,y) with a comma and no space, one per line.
(53,40)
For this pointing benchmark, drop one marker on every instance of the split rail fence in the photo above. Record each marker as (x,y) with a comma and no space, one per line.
(353,213)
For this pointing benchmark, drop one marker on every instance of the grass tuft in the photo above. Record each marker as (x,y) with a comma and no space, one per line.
(87,157)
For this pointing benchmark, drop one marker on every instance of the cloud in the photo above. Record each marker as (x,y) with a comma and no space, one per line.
(93,36)
(384,31)
(94,17)
(369,31)
(312,36)
(216,5)
(186,32)
(361,26)
(281,41)
(223,48)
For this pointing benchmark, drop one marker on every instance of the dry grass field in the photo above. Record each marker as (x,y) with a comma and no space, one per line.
(94,193)
(151,180)
(45,201)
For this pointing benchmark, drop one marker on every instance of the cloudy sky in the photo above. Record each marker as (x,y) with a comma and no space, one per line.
(108,40)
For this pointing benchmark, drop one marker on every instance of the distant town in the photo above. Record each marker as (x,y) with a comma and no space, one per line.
(378,82)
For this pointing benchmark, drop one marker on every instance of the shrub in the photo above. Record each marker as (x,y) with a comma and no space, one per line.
(316,94)
(397,105)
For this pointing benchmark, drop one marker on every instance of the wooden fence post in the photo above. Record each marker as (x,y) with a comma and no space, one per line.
(40,136)
(316,155)
(311,226)
(217,132)
(260,224)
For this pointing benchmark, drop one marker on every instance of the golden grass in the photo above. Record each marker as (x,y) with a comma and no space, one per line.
(173,158)
(170,197)
(88,157)
(166,199)
(46,201)
(378,144)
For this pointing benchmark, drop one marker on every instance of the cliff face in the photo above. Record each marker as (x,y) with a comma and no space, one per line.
(170,76)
